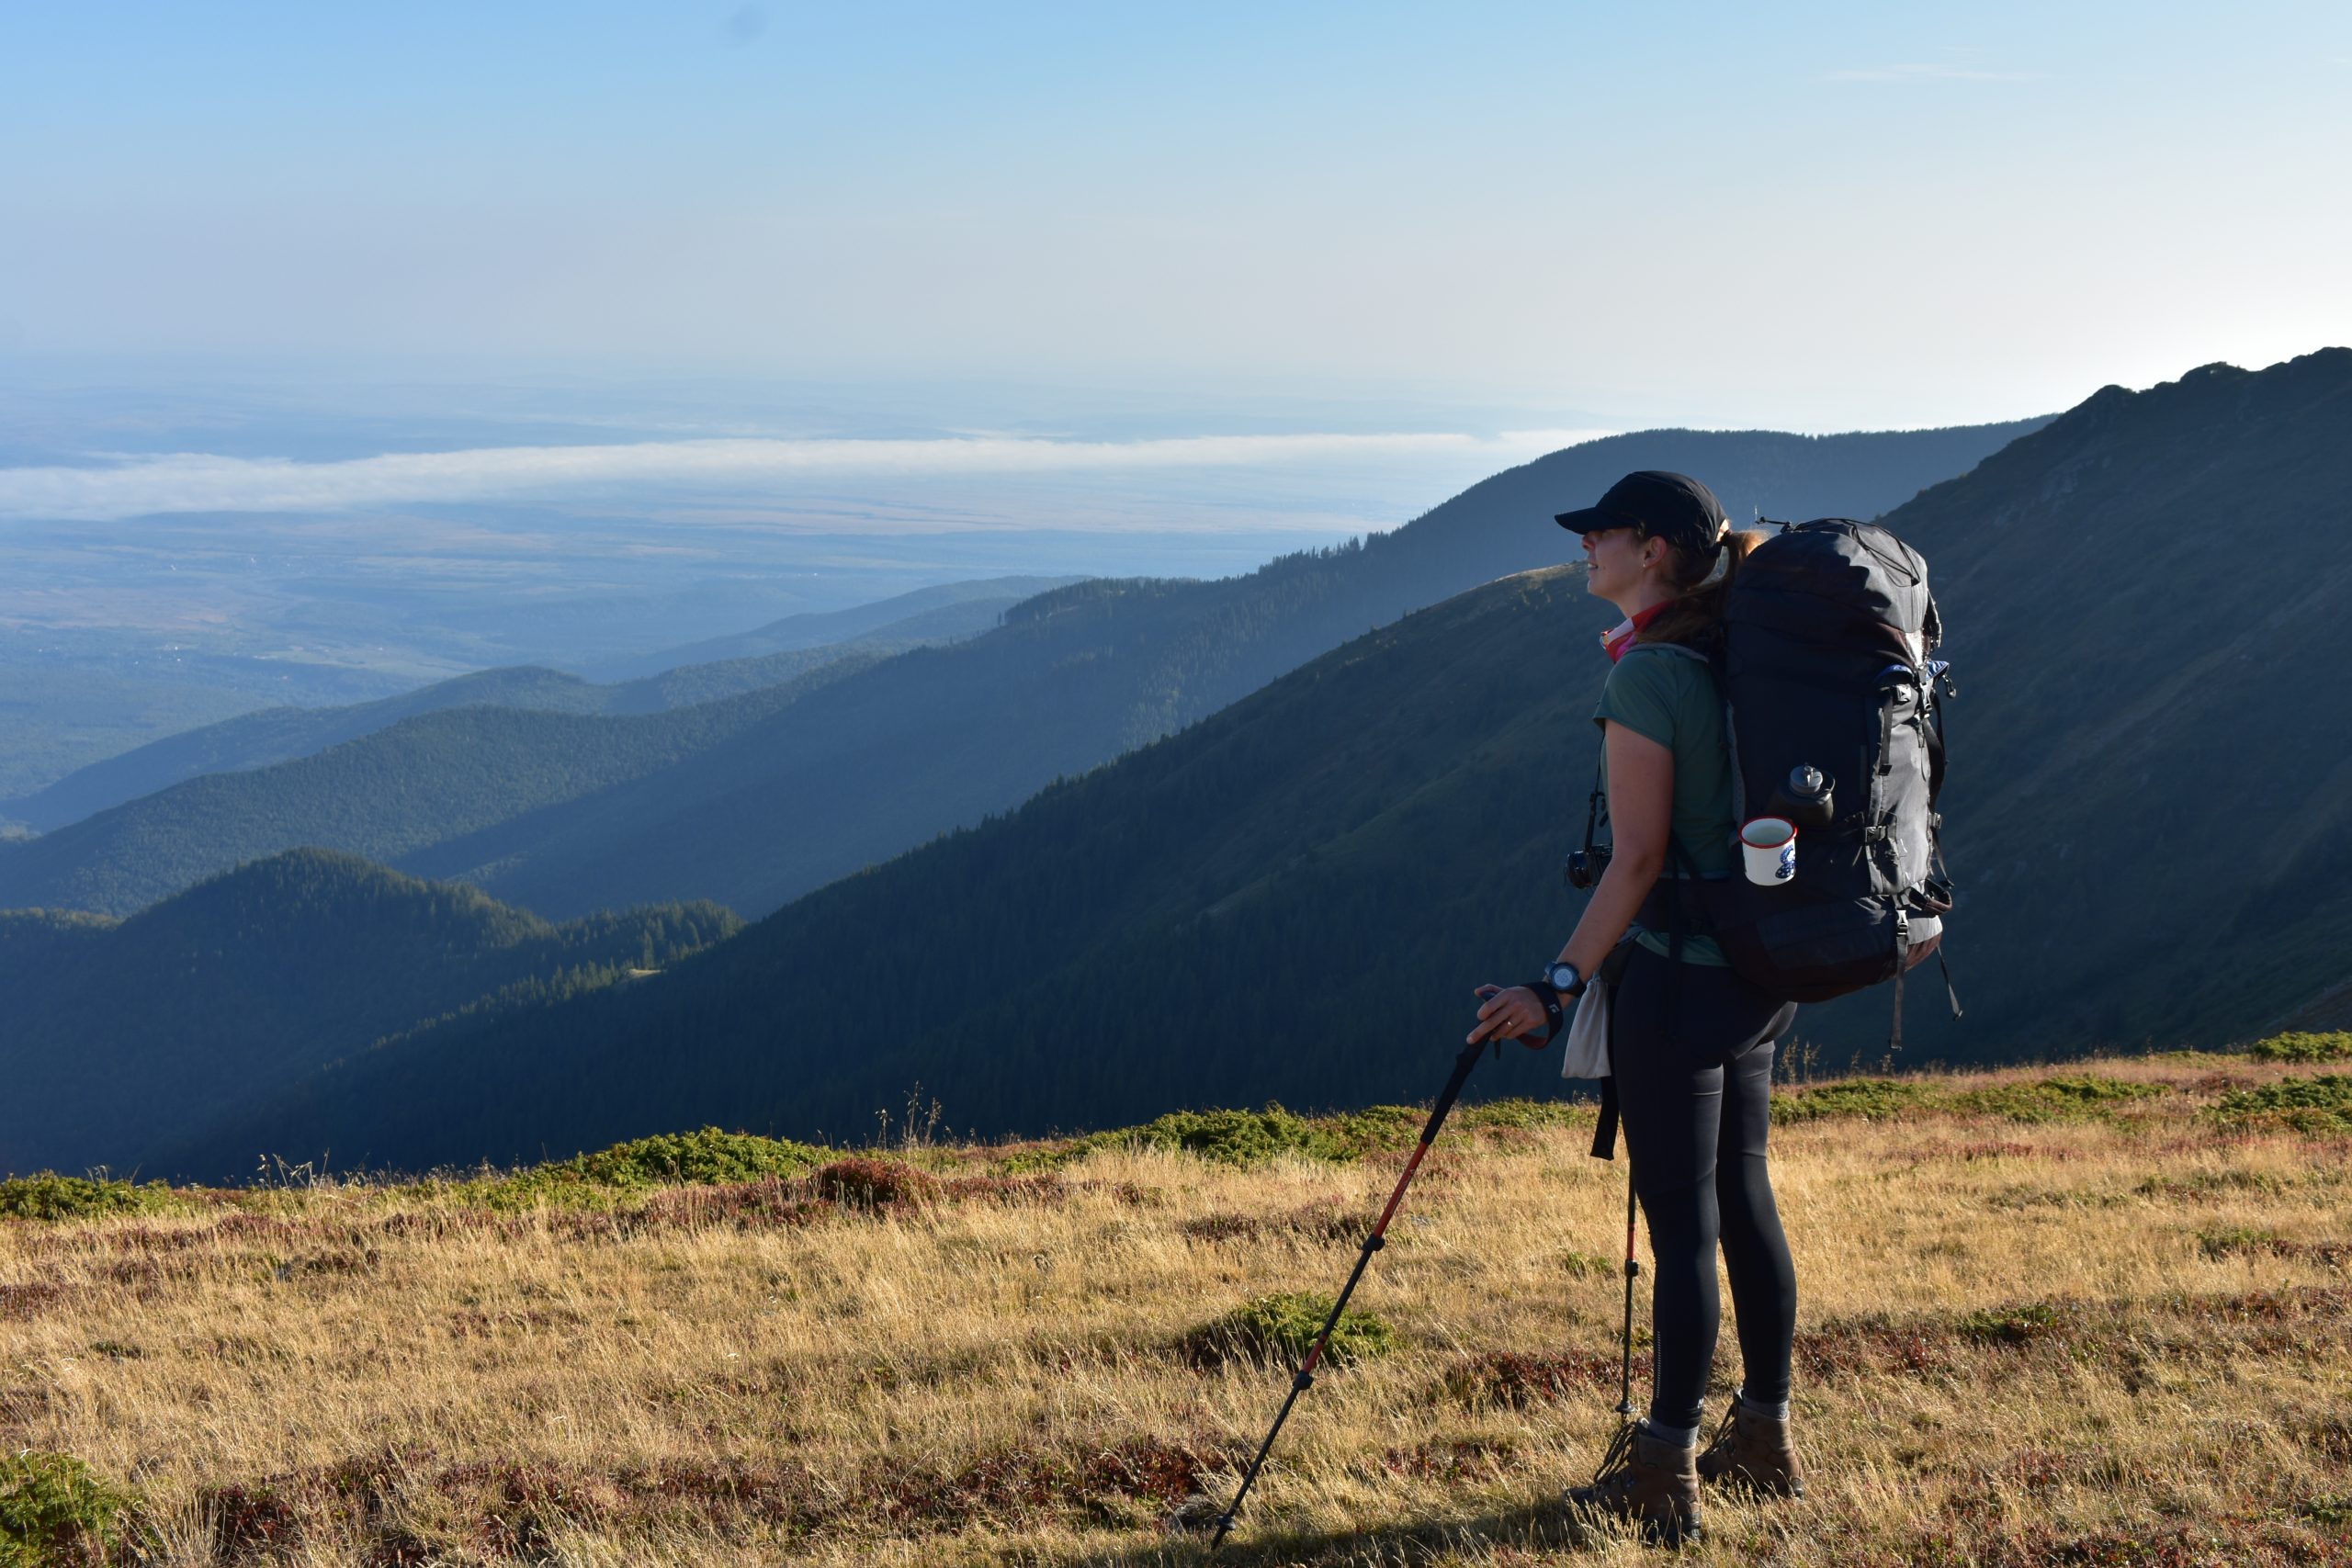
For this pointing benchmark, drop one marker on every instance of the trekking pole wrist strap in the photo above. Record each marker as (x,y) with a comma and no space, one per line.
(1554,1015)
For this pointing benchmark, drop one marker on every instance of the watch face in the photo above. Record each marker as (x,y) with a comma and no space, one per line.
(1563,975)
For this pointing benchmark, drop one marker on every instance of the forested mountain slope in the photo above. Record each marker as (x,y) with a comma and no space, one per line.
(382,795)
(2147,602)
(755,814)
(279,734)
(948,609)
(1292,898)
(115,1033)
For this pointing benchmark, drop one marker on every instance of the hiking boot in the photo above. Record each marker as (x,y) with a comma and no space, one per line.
(1751,1448)
(1649,1482)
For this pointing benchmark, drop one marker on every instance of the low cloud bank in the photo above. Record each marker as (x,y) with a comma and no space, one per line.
(142,486)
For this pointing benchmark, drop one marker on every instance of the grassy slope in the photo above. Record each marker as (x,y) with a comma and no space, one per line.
(2085,1324)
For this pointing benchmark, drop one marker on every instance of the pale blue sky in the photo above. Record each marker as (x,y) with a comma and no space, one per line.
(1823,216)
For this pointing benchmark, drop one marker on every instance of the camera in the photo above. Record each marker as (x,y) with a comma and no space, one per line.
(1586,866)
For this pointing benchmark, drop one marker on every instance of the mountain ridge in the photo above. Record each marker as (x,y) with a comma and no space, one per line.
(1198,921)
(920,743)
(258,740)
(263,973)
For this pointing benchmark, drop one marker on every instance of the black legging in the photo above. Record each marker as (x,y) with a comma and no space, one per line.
(1689,1094)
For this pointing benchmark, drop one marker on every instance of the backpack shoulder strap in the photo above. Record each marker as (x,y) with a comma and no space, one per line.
(1667,647)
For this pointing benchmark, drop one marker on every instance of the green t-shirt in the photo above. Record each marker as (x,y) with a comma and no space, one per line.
(1665,694)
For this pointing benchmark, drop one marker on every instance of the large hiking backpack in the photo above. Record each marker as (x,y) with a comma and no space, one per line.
(1826,663)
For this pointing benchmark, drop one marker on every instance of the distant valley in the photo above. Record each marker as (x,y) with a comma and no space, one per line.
(768,656)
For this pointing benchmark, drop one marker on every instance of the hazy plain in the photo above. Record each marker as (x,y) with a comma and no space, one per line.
(175,549)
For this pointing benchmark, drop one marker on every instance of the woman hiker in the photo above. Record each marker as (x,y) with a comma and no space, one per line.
(1689,1042)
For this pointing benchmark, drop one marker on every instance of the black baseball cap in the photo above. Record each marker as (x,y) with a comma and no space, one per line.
(1673,507)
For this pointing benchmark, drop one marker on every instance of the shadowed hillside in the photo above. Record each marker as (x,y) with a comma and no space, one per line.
(115,1033)
(943,613)
(772,655)
(1293,898)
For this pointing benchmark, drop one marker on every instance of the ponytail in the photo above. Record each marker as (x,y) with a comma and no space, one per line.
(1695,619)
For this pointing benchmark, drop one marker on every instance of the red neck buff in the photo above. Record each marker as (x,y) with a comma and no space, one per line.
(1615,641)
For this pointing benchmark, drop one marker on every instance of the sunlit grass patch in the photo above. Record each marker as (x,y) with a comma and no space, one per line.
(2077,1098)
(1870,1099)
(56,1511)
(2316,1106)
(48,1196)
(2302,1045)
(706,1157)
(1282,1326)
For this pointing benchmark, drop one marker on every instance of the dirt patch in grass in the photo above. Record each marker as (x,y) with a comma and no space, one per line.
(28,1299)
(2128,1336)
(1515,1380)
(1452,1458)
(1324,1219)
(2210,1184)
(1873,1347)
(1119,1483)
(374,1504)
(2249,1242)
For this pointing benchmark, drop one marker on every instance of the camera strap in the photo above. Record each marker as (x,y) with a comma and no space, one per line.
(1596,803)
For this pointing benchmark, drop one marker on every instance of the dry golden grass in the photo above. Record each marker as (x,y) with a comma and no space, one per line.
(2123,1337)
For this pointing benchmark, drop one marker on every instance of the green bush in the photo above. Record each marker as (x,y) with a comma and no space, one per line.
(1228,1138)
(1253,1138)
(2301,1045)
(1377,1127)
(2077,1099)
(2232,1241)
(1283,1326)
(1528,1113)
(2320,1106)
(705,1158)
(55,1509)
(48,1196)
(1872,1099)
(2014,1325)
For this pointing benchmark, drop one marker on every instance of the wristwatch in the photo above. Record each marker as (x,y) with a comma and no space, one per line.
(1564,978)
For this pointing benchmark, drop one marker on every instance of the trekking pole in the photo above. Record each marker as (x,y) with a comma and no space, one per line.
(1304,1378)
(1626,1344)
